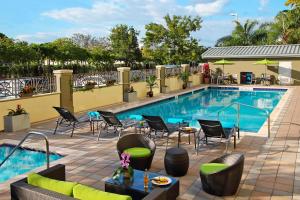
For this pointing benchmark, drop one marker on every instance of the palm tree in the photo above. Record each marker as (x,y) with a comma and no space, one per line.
(246,34)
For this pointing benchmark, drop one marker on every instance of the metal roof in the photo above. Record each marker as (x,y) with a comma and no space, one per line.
(263,51)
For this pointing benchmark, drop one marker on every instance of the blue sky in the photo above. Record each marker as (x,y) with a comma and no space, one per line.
(45,20)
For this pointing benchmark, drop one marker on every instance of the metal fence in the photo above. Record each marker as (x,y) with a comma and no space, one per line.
(174,71)
(100,78)
(141,75)
(13,87)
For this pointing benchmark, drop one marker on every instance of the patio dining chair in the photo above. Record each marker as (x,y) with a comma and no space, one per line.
(111,121)
(158,126)
(214,129)
(67,119)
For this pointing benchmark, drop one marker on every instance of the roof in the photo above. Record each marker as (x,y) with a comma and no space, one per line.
(263,51)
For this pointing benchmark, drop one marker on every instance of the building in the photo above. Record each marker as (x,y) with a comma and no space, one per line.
(244,57)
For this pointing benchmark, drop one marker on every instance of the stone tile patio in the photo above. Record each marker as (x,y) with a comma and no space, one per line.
(272,166)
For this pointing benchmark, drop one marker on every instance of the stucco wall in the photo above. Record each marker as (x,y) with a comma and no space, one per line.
(173,83)
(39,107)
(85,100)
(141,88)
(243,65)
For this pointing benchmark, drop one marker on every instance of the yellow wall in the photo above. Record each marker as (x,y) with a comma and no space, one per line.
(173,83)
(141,88)
(247,65)
(85,100)
(195,78)
(39,107)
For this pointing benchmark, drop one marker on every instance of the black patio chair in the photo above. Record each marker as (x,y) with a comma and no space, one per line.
(157,125)
(225,182)
(111,120)
(67,119)
(214,129)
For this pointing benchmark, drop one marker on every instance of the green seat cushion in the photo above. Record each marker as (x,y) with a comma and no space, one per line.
(210,168)
(138,152)
(62,187)
(88,193)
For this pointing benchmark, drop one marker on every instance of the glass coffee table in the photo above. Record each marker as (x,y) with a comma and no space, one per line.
(135,186)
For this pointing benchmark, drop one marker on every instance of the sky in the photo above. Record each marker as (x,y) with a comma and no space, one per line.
(45,20)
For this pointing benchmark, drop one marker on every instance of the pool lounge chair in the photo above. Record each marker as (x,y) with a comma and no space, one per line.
(21,190)
(67,119)
(214,129)
(111,121)
(158,126)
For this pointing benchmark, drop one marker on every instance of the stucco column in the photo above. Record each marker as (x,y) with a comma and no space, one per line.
(124,78)
(64,85)
(161,76)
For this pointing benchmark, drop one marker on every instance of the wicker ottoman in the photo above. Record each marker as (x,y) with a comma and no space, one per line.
(176,161)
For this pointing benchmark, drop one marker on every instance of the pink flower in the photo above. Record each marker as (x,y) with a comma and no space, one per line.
(125,160)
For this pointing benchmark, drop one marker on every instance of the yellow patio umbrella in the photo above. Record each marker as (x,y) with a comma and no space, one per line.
(266,62)
(223,62)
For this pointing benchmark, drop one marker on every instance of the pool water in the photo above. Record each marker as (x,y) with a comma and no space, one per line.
(22,161)
(205,104)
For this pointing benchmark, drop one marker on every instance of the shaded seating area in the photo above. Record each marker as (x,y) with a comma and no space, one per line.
(67,119)
(112,122)
(140,148)
(222,176)
(213,129)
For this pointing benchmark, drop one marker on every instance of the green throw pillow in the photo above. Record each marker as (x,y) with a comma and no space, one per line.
(62,187)
(83,192)
(138,152)
(210,168)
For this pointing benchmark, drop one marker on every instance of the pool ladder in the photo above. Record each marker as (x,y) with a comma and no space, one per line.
(23,140)
(238,114)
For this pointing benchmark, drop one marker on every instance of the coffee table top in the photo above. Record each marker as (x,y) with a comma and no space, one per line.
(137,183)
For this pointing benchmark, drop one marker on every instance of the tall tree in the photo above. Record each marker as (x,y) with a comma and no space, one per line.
(249,33)
(171,43)
(124,44)
(84,40)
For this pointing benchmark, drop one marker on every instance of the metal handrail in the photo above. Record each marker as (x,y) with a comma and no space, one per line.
(23,140)
(238,113)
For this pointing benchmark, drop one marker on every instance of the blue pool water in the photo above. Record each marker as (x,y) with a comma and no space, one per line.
(205,104)
(22,161)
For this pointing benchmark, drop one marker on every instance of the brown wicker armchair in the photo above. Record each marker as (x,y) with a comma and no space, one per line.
(137,140)
(226,181)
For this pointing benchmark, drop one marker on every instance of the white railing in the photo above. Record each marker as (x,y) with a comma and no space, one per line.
(141,75)
(100,78)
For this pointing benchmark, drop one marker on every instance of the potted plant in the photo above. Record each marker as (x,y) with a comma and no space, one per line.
(184,76)
(90,85)
(130,95)
(27,91)
(110,82)
(125,169)
(16,120)
(151,82)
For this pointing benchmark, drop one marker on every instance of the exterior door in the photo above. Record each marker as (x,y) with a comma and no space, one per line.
(285,72)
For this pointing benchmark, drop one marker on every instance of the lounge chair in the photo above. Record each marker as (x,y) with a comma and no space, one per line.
(214,129)
(111,121)
(157,125)
(222,176)
(21,190)
(137,143)
(67,119)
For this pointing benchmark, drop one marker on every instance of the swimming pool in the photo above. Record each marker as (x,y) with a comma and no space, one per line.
(22,161)
(205,104)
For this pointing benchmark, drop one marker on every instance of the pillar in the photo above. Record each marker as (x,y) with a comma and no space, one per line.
(124,78)
(64,85)
(161,75)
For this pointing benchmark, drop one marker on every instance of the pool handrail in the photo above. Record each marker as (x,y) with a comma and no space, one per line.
(267,113)
(23,140)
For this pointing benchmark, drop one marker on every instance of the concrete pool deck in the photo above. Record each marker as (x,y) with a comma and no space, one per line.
(272,166)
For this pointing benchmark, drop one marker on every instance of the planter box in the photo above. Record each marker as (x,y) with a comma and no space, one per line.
(16,123)
(164,89)
(189,84)
(130,97)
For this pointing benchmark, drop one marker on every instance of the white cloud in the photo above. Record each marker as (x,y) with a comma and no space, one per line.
(263,4)
(207,9)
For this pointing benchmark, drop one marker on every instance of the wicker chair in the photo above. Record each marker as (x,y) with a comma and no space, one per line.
(137,140)
(226,181)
